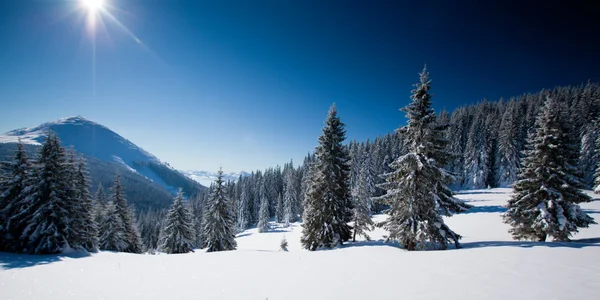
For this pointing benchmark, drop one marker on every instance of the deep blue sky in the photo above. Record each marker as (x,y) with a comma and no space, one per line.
(247,84)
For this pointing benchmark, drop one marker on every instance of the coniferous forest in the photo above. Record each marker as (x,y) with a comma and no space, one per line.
(546,146)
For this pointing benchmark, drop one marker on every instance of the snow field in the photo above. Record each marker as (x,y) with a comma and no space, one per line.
(490,266)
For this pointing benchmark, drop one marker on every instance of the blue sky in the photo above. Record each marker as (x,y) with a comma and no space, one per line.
(247,84)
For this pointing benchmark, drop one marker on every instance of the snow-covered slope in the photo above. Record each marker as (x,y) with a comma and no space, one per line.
(205,178)
(491,266)
(100,142)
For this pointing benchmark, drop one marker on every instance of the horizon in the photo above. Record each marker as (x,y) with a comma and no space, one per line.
(162,74)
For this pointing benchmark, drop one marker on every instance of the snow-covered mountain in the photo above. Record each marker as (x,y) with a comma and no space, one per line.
(205,178)
(100,143)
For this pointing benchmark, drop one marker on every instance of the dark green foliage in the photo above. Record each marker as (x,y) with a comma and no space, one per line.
(11,190)
(416,186)
(546,197)
(327,206)
(219,224)
(178,234)
(125,213)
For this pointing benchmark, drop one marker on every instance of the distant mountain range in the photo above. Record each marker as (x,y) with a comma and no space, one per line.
(148,181)
(205,178)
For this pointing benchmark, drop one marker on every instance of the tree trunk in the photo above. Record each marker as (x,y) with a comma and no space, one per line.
(542,237)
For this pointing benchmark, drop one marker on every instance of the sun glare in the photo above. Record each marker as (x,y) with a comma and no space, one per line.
(93,5)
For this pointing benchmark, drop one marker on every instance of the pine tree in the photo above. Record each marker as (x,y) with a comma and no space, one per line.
(11,202)
(327,207)
(219,225)
(178,233)
(46,204)
(86,224)
(283,245)
(509,148)
(416,187)
(113,236)
(290,197)
(132,235)
(100,203)
(263,217)
(361,212)
(546,197)
(279,209)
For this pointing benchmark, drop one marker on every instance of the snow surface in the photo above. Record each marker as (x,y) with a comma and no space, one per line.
(490,266)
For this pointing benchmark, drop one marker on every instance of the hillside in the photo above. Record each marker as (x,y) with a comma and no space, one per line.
(149,181)
(490,266)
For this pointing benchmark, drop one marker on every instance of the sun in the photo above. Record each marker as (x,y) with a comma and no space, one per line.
(93,5)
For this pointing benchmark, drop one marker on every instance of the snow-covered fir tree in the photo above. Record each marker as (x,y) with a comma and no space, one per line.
(327,206)
(361,214)
(11,191)
(219,224)
(546,197)
(47,204)
(263,217)
(279,209)
(416,187)
(100,202)
(509,147)
(290,198)
(283,245)
(125,213)
(178,234)
(85,222)
(113,236)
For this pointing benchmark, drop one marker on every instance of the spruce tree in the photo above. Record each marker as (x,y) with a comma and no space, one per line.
(87,226)
(361,212)
(46,210)
(290,197)
(219,224)
(279,209)
(113,236)
(545,198)
(125,213)
(100,203)
(178,233)
(263,217)
(416,187)
(327,207)
(11,191)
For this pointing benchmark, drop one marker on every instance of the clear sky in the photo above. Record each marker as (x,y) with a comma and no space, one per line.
(247,84)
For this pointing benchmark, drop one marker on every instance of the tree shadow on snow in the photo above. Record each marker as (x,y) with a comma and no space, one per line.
(372,243)
(239,235)
(578,244)
(591,211)
(486,209)
(477,192)
(18,261)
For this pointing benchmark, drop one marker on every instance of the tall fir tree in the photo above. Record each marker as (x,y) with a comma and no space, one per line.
(546,197)
(328,207)
(86,223)
(263,217)
(100,203)
(219,224)
(290,197)
(362,212)
(46,205)
(132,235)
(279,209)
(416,187)
(113,236)
(178,233)
(11,193)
